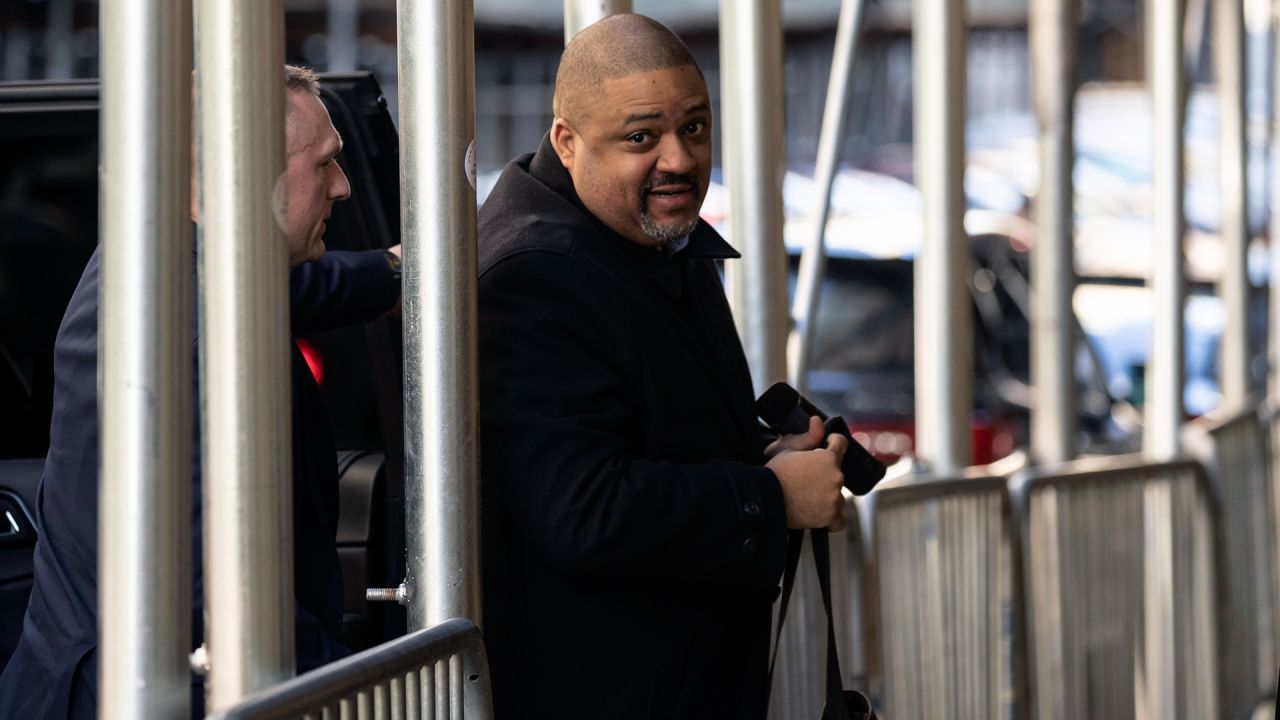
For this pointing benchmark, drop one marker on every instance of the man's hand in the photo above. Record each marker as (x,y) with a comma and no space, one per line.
(811,481)
(810,440)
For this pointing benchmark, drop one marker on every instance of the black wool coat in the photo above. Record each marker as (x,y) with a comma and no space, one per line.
(633,542)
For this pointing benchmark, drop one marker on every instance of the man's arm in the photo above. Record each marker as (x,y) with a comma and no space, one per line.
(341,288)
(560,416)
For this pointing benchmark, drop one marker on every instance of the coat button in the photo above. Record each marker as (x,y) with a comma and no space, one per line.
(749,546)
(751,509)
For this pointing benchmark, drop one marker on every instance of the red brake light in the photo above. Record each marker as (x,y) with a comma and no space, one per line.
(314,360)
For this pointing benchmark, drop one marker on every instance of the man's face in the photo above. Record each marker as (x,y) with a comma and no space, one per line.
(313,179)
(641,158)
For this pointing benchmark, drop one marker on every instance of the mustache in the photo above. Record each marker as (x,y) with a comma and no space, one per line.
(670,179)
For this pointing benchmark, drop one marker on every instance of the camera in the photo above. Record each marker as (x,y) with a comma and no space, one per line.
(786,412)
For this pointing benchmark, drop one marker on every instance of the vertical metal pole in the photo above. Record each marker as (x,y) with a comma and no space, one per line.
(244,360)
(342,30)
(944,334)
(754,155)
(144,346)
(1274,220)
(1053,47)
(813,261)
(1166,71)
(438,217)
(1228,44)
(580,13)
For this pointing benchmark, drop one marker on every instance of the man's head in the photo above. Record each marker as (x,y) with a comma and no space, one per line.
(313,179)
(633,128)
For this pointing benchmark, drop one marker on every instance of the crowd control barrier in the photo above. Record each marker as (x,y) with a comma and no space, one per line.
(439,673)
(1250,616)
(943,571)
(1120,587)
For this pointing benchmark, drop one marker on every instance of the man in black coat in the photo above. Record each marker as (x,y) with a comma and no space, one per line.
(54,670)
(634,534)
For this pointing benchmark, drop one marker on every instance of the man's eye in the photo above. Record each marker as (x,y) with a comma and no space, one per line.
(637,138)
(695,127)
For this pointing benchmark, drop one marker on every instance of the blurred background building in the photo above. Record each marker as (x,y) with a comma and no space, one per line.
(875,206)
(518,44)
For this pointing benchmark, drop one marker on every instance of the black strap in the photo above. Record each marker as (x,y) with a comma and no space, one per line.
(795,542)
(837,706)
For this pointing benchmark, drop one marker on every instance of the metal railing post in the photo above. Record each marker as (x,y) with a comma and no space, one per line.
(1228,44)
(244,360)
(1273,330)
(1166,69)
(1053,47)
(751,111)
(144,556)
(813,260)
(578,14)
(943,318)
(438,217)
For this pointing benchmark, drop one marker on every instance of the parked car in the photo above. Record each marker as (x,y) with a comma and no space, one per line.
(48,230)
(863,360)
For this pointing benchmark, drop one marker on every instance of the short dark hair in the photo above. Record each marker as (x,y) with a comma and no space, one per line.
(617,46)
(304,79)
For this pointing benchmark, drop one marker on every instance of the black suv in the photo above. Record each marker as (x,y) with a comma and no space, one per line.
(48,230)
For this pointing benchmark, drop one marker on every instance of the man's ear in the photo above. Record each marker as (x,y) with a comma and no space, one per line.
(564,142)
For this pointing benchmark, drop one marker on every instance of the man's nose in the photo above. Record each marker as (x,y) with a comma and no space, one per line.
(674,157)
(339,186)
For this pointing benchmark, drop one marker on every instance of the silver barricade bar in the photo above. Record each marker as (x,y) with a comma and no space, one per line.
(751,118)
(244,360)
(943,319)
(1120,573)
(438,228)
(1244,486)
(146,360)
(944,599)
(440,672)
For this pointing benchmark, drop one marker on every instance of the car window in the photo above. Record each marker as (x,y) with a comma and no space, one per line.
(865,319)
(48,230)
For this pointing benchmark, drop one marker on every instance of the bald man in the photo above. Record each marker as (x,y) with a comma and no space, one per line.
(634,525)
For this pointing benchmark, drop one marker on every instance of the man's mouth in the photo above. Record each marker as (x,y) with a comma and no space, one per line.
(670,192)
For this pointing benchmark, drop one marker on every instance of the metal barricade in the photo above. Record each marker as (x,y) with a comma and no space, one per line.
(1250,616)
(943,597)
(440,673)
(799,682)
(1120,578)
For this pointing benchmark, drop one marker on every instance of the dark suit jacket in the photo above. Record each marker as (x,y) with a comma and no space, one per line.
(632,541)
(53,671)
